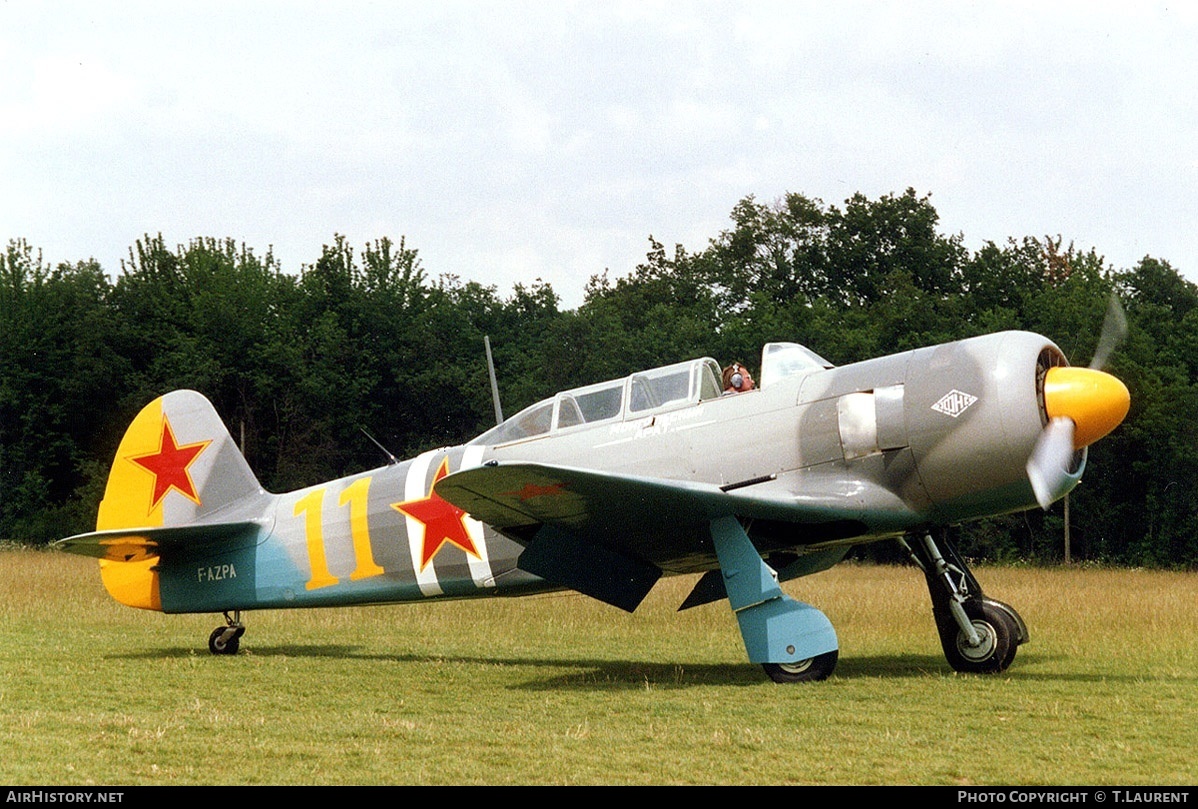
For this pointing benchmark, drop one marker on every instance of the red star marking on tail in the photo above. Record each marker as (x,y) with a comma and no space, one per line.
(442,521)
(170,465)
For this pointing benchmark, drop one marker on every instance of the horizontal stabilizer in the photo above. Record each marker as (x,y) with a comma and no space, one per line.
(139,544)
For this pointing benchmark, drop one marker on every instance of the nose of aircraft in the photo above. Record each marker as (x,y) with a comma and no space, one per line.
(1096,401)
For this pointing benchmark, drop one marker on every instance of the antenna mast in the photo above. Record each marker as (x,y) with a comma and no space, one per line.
(494,384)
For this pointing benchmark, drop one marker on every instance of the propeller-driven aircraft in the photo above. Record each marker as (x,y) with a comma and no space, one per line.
(606,488)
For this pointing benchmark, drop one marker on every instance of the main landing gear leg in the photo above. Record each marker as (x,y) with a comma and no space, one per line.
(225,640)
(793,642)
(978,634)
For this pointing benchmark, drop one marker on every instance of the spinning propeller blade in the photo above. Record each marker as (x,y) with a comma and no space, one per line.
(1114,332)
(1083,405)
(1048,466)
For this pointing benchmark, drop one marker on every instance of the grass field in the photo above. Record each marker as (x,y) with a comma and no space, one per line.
(564,690)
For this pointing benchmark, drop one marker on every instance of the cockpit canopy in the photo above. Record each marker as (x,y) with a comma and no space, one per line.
(667,388)
(781,360)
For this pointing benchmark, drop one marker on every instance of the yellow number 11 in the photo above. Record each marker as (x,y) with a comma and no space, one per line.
(310,506)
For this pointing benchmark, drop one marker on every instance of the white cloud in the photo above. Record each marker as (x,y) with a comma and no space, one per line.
(510,140)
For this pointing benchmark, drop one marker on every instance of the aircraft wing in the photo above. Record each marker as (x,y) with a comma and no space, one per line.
(525,494)
(611,535)
(138,544)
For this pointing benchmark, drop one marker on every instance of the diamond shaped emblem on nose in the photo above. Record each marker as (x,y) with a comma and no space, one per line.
(954,403)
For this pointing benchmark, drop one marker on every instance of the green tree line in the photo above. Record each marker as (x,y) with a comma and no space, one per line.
(310,368)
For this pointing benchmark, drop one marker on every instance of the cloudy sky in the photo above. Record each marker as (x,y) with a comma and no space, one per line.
(510,141)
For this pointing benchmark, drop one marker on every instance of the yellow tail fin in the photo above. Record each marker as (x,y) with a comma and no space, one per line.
(177,465)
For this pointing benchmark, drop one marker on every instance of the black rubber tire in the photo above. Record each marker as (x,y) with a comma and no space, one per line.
(810,670)
(229,647)
(998,646)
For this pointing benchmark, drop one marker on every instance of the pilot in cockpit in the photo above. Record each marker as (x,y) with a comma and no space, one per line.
(737,379)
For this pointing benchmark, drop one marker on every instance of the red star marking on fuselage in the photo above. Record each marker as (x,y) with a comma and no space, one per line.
(170,466)
(442,521)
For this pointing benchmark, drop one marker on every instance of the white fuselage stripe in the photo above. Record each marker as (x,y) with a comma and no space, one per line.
(480,568)
(415,488)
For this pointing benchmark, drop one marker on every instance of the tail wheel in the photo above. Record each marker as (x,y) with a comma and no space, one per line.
(803,671)
(997,641)
(225,640)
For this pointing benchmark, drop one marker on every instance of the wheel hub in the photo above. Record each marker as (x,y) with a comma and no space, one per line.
(798,667)
(987,641)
